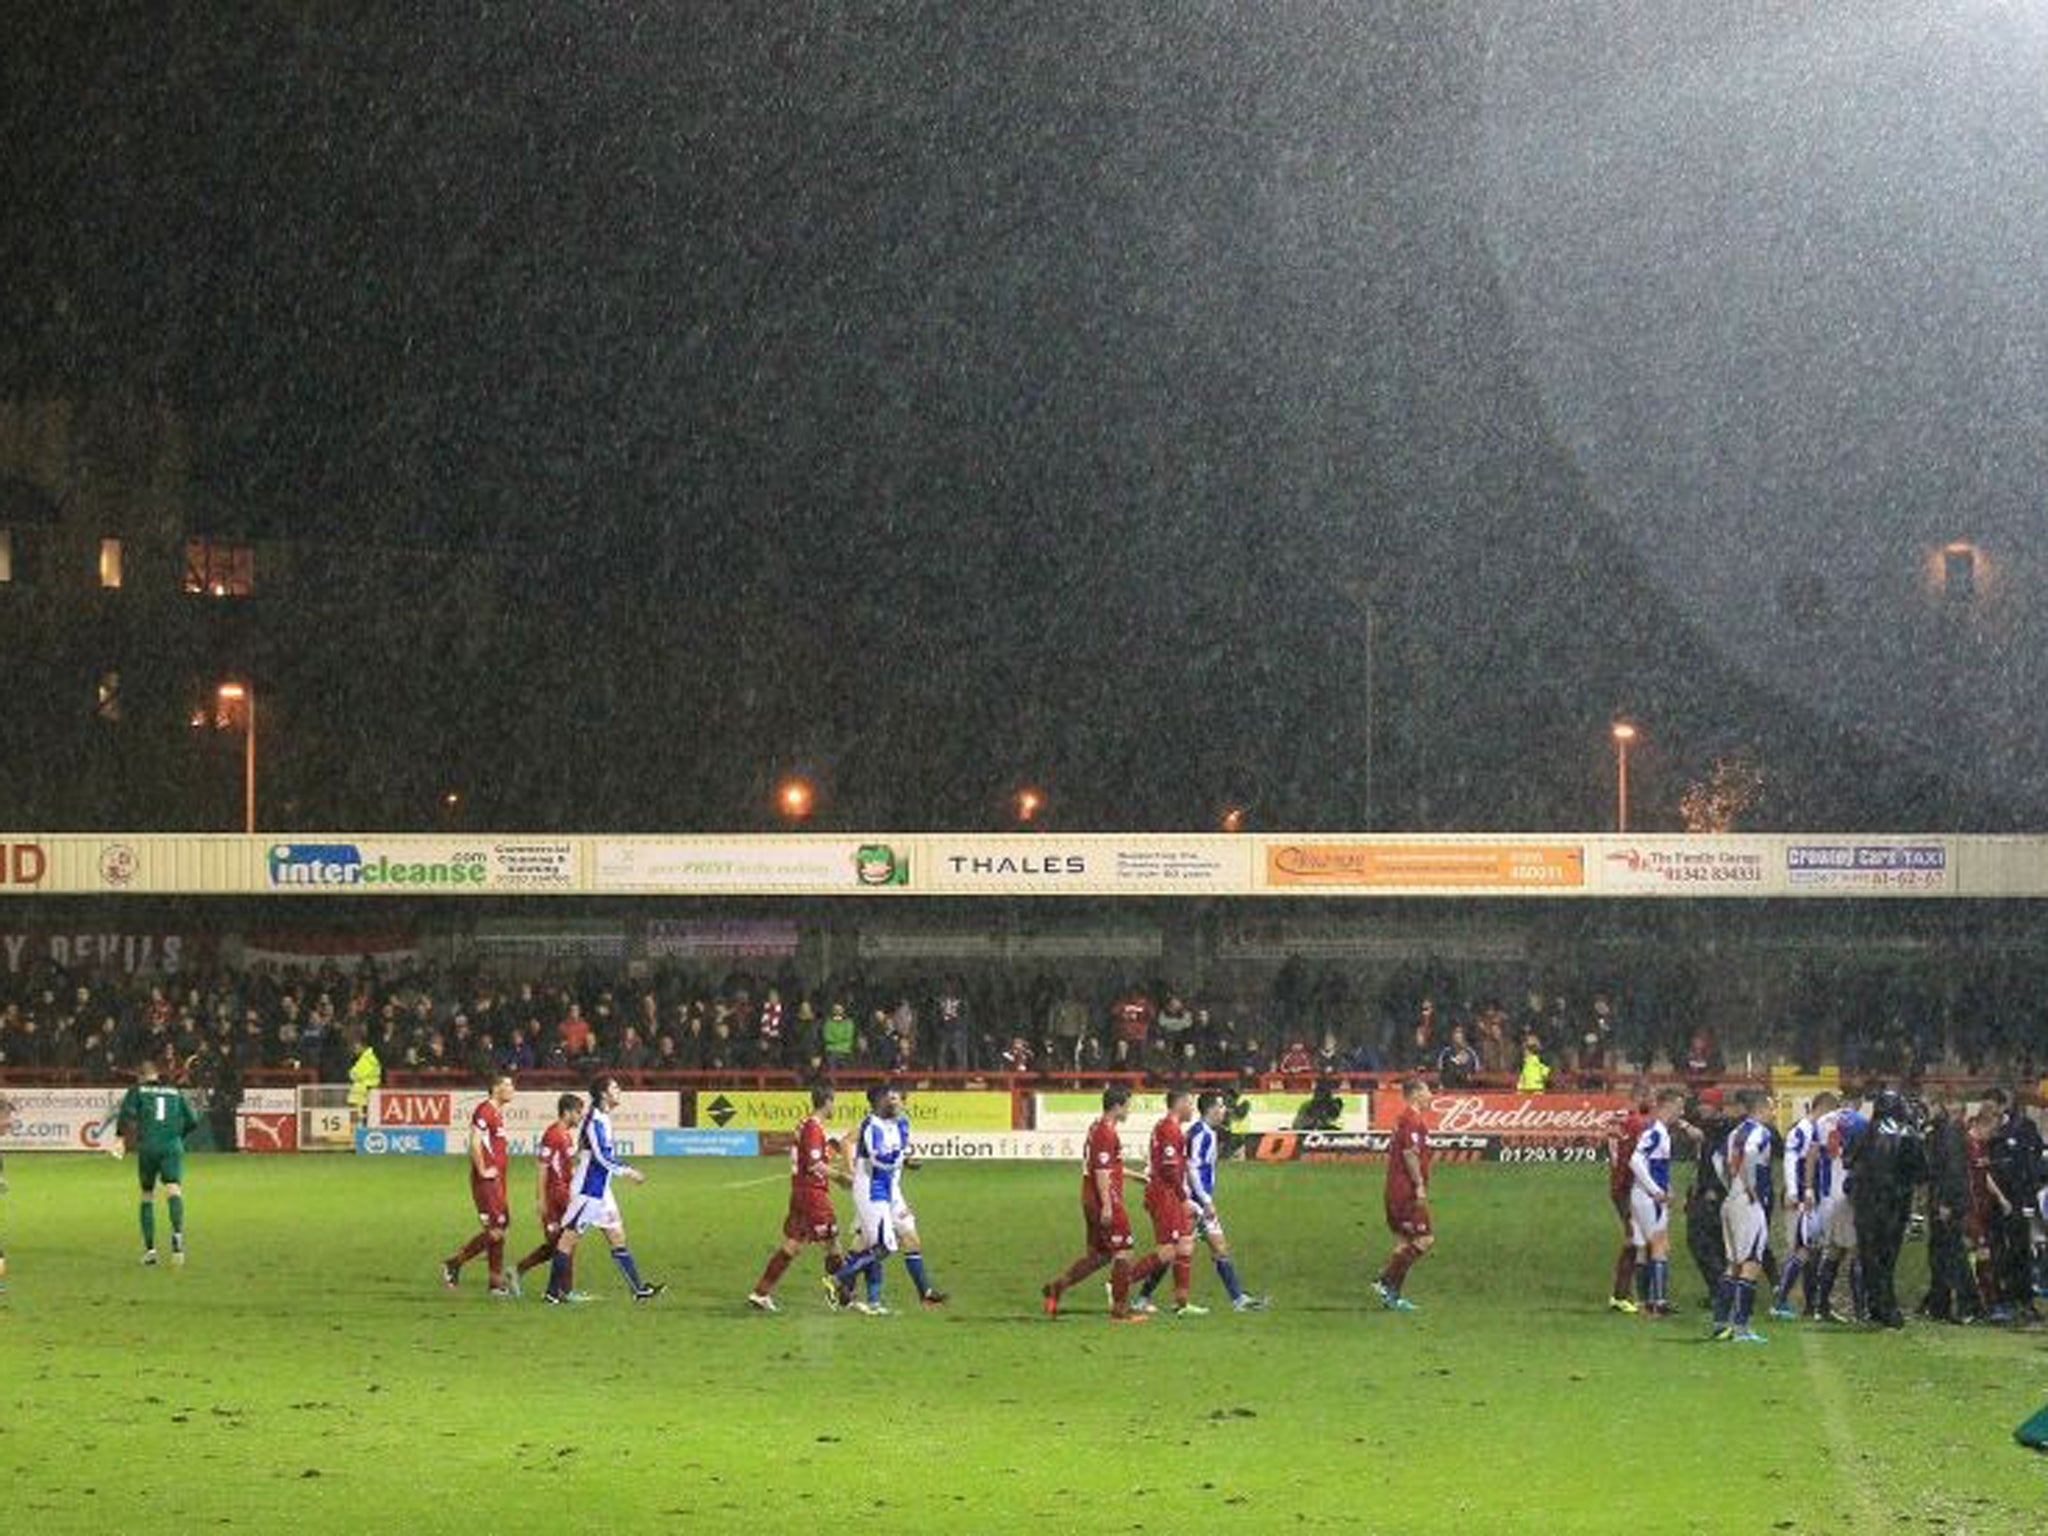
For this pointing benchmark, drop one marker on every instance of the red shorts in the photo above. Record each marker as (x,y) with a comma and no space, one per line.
(811,1218)
(1171,1220)
(1408,1218)
(1109,1234)
(488,1195)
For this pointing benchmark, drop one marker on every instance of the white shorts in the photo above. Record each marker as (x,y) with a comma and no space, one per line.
(1208,1228)
(587,1211)
(1802,1228)
(882,1223)
(1646,1218)
(1835,1222)
(1745,1231)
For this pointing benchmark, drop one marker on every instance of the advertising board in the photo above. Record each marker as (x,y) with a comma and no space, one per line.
(768,1109)
(1446,866)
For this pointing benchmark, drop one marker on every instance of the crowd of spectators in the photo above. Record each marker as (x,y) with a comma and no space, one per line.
(213,1027)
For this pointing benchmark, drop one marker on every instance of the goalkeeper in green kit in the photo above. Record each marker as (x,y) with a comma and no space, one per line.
(161,1120)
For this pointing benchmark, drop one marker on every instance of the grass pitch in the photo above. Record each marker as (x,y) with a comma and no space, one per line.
(307,1371)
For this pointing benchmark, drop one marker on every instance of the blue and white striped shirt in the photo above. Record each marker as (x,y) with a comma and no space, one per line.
(878,1156)
(1652,1157)
(597,1157)
(1202,1143)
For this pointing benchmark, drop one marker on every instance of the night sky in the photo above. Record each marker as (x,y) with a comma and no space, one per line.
(937,398)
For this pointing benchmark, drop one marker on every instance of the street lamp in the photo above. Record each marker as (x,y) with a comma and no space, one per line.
(1029,802)
(245,695)
(794,798)
(1624,735)
(1233,818)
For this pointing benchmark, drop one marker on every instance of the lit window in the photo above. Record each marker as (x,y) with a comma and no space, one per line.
(110,563)
(108,694)
(219,568)
(6,555)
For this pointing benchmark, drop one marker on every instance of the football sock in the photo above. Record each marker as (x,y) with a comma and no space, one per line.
(149,1224)
(1076,1272)
(177,1221)
(833,1259)
(914,1262)
(1857,1296)
(1824,1284)
(875,1277)
(1642,1279)
(1724,1301)
(558,1276)
(854,1264)
(778,1261)
(1398,1265)
(496,1250)
(623,1257)
(1794,1267)
(1624,1272)
(1987,1284)
(1660,1279)
(1745,1301)
(1808,1277)
(1120,1283)
(470,1250)
(1183,1273)
(1146,1270)
(1227,1273)
(1151,1283)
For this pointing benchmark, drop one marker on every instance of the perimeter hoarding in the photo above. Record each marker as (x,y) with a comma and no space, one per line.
(1049,865)
(1138,865)
(1554,1119)
(768,1109)
(634,1123)
(59,1119)
(1509,868)
(1677,866)
(762,866)
(1264,1111)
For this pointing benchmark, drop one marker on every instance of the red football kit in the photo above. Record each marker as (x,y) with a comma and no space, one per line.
(1109,1231)
(1166,1183)
(811,1218)
(1621,1146)
(1407,1215)
(1977,1220)
(489,1194)
(557,1159)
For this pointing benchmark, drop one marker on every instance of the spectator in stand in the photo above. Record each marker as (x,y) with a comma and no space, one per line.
(1595,1046)
(1173,1024)
(1362,1058)
(1252,1062)
(1069,1028)
(771,1029)
(1329,1056)
(1017,1055)
(517,1054)
(956,1033)
(575,1035)
(666,1057)
(1422,1041)
(1534,1076)
(838,1036)
(1457,1064)
(721,1049)
(1133,1016)
(1296,1061)
(632,1055)
(1702,1058)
